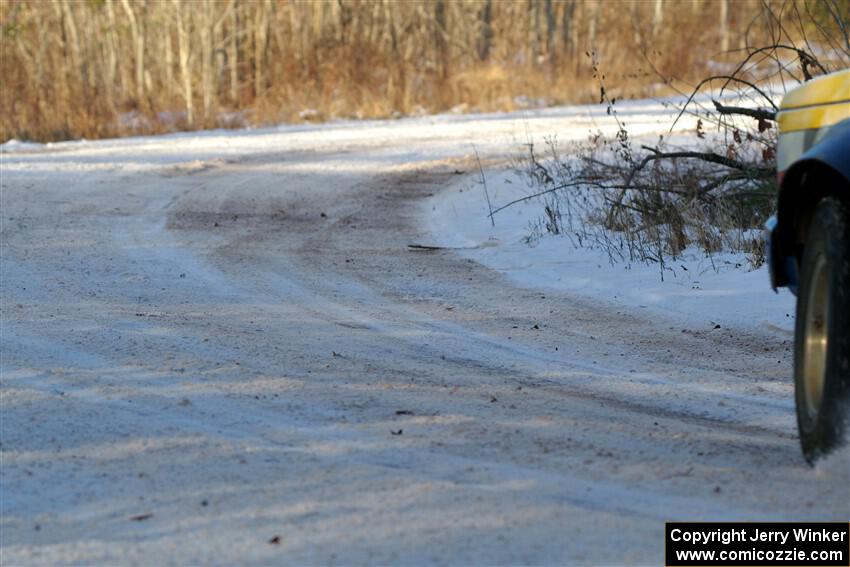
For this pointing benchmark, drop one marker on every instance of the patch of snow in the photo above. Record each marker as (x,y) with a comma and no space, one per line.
(311,115)
(696,289)
(17,146)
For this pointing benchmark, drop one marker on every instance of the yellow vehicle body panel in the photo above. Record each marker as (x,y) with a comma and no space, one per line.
(814,117)
(808,113)
(829,89)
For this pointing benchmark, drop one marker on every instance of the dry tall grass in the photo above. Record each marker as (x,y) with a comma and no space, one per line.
(96,68)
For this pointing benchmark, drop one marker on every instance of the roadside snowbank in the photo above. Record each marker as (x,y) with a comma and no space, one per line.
(697,290)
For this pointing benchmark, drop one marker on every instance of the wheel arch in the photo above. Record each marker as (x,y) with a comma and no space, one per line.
(803,186)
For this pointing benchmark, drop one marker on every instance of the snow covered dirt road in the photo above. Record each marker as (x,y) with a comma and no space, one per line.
(218,348)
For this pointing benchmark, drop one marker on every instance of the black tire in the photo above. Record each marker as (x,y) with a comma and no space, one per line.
(822,332)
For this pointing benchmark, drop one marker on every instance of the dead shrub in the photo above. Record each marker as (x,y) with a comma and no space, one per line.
(713,191)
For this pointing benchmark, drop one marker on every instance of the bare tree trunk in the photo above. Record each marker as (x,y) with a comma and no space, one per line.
(111,55)
(397,85)
(440,38)
(568,28)
(533,29)
(63,67)
(184,57)
(485,36)
(724,25)
(207,88)
(551,28)
(261,26)
(116,46)
(593,6)
(78,67)
(137,30)
(169,61)
(31,62)
(233,55)
(657,18)
(637,25)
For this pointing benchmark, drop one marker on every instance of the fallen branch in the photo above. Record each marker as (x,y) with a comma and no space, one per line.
(434,247)
(729,78)
(757,113)
(710,157)
(588,183)
(426,247)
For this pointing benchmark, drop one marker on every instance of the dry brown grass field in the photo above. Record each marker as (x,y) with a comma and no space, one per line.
(102,68)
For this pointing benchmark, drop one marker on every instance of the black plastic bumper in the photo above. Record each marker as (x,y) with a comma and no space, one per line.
(783,268)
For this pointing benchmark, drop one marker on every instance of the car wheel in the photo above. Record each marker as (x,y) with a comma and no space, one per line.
(822,332)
